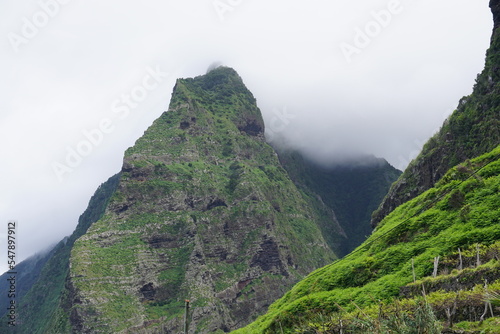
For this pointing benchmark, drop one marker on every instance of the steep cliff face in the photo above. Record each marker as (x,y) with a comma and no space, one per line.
(472,129)
(204,212)
(351,190)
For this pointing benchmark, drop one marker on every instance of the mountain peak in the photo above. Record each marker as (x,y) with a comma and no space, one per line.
(221,70)
(222,93)
(196,215)
(217,80)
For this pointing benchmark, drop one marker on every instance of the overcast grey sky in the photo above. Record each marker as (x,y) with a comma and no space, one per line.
(82,80)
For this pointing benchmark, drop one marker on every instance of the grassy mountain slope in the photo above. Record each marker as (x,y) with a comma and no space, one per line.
(40,307)
(351,190)
(472,129)
(459,212)
(203,211)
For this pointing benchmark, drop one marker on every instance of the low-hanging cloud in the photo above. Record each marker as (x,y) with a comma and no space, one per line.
(61,81)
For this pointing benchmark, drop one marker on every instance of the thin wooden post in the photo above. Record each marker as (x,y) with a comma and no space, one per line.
(436,264)
(186,318)
(461,263)
(478,258)
(486,302)
(413,269)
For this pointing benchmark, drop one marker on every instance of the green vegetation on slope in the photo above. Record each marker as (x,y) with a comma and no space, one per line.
(461,211)
(352,190)
(41,309)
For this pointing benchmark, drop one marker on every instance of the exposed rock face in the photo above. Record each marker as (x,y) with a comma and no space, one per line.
(419,176)
(472,129)
(203,211)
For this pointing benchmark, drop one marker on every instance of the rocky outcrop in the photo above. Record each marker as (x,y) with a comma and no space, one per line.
(419,176)
(204,212)
(495,9)
(472,129)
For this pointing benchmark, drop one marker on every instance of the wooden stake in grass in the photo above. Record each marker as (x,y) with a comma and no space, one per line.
(413,269)
(423,292)
(460,265)
(478,259)
(485,302)
(436,264)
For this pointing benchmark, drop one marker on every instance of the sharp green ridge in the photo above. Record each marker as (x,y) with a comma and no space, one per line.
(203,211)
